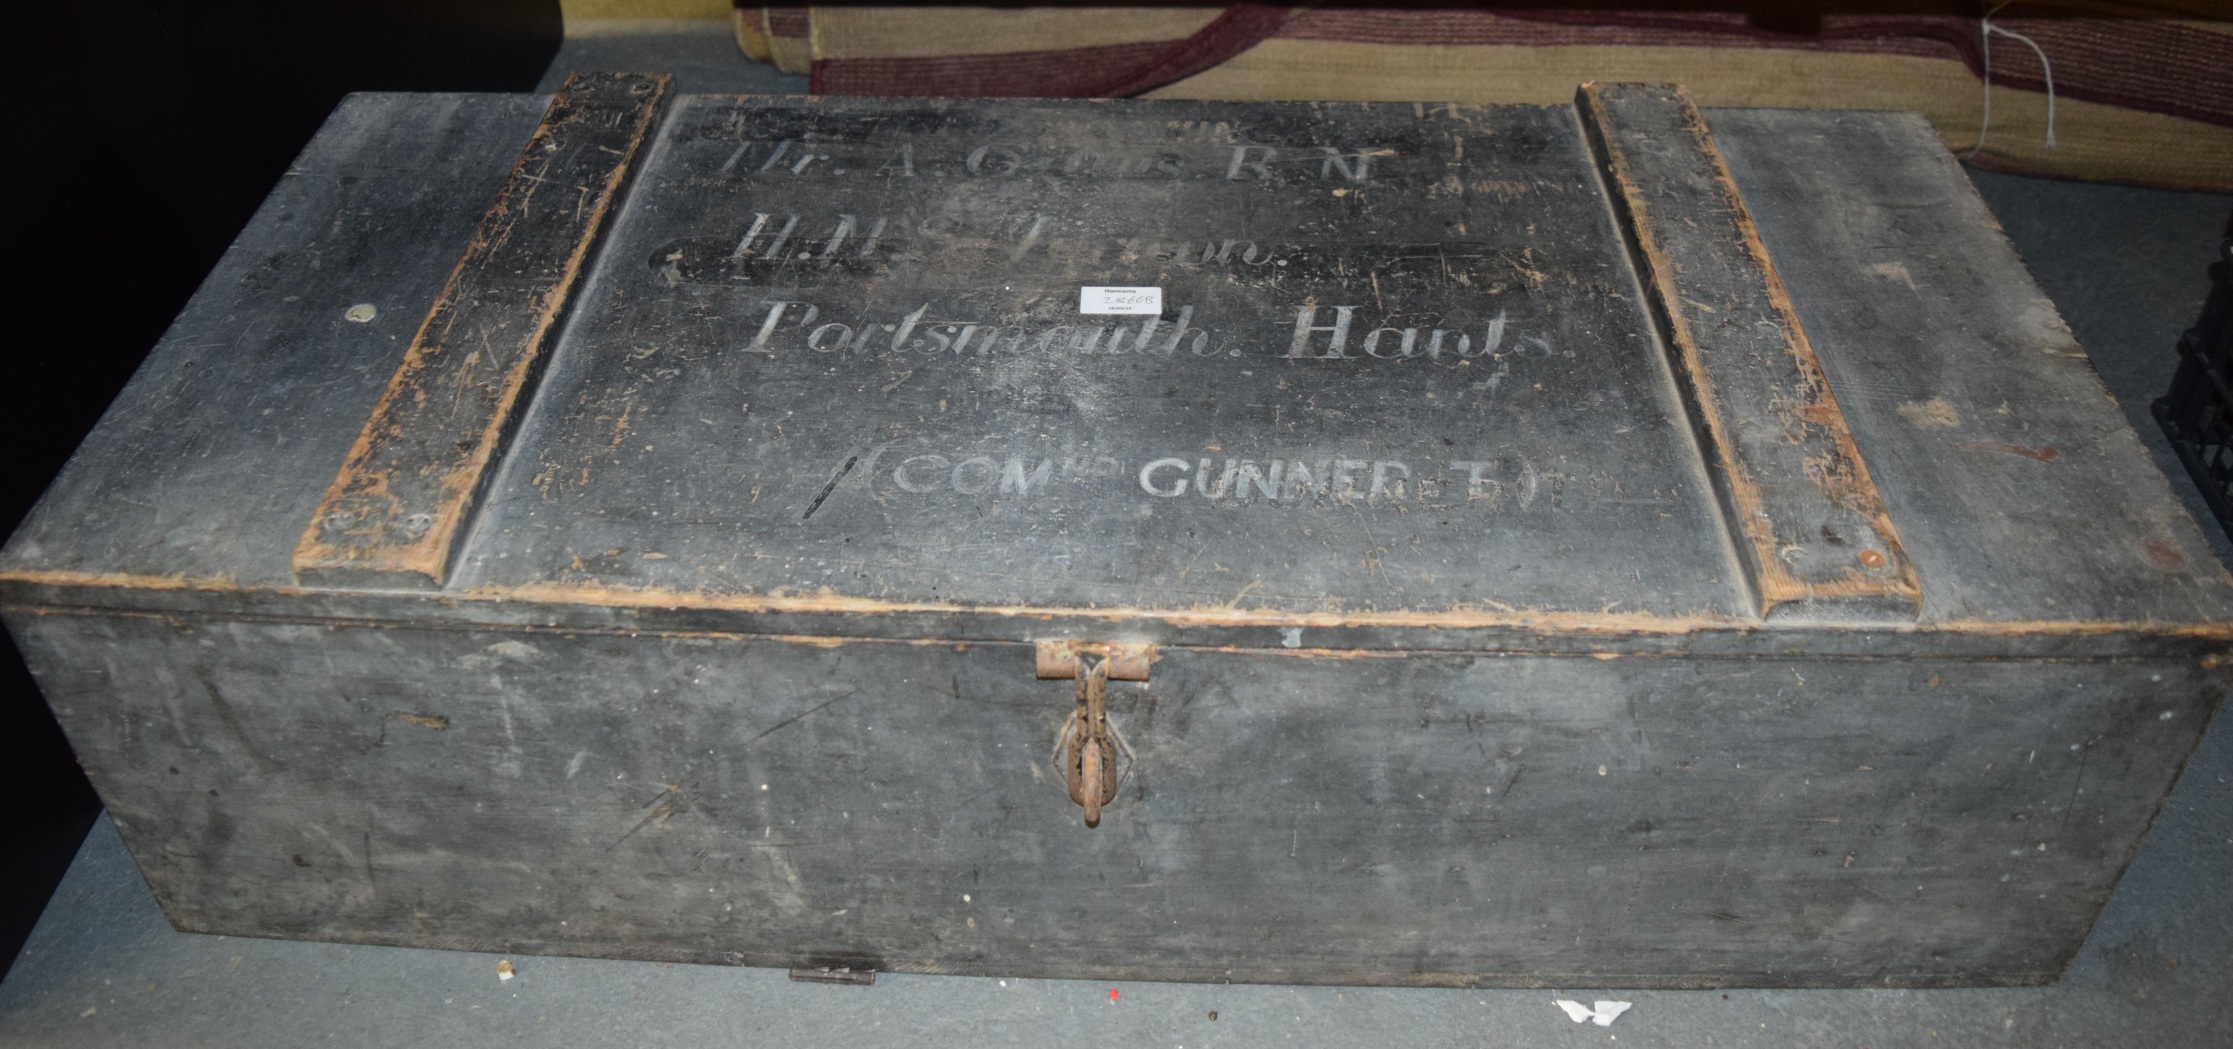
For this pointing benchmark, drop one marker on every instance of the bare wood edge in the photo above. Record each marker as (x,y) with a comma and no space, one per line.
(425,562)
(1127,661)
(1772,584)
(1821,407)
(647,598)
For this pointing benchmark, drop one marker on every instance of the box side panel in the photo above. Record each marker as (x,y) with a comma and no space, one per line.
(212,460)
(2020,490)
(1297,817)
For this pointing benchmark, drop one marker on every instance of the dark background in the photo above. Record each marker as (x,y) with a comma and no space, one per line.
(142,136)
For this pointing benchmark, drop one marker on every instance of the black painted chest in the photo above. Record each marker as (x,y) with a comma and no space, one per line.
(1278,542)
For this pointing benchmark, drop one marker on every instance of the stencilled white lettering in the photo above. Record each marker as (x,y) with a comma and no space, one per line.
(790,325)
(1505,483)
(1312,340)
(1334,163)
(804,312)
(771,236)
(765,240)
(1221,252)
(1002,477)
(1255,162)
(1318,333)
(787,154)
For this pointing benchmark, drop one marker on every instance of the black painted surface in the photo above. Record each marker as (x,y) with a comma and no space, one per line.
(1809,527)
(396,509)
(264,380)
(1436,819)
(930,418)
(247,676)
(2016,483)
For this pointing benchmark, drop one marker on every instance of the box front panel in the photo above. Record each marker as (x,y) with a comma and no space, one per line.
(1288,816)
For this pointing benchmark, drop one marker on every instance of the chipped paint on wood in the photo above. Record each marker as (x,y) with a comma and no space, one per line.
(401,502)
(703,698)
(1530,776)
(1811,529)
(1200,615)
(1611,627)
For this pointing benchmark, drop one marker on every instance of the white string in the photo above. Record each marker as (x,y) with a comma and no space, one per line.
(1985,31)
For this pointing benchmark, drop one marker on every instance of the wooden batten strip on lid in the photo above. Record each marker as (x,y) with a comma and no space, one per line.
(1810,529)
(401,504)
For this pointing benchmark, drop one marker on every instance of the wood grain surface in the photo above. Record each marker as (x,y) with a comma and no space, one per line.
(395,511)
(1810,527)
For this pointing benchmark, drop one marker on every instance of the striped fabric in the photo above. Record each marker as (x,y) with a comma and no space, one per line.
(2140,95)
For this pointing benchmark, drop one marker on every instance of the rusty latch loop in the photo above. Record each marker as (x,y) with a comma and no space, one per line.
(1087,752)
(1089,762)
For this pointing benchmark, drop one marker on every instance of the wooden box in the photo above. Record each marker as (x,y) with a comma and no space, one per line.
(1473,546)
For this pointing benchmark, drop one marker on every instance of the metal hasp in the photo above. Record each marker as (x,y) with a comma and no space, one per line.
(1089,746)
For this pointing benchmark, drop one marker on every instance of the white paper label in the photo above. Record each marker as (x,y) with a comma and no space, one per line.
(1106,301)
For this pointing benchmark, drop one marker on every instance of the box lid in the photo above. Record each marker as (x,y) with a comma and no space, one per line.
(1423,366)
(1396,363)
